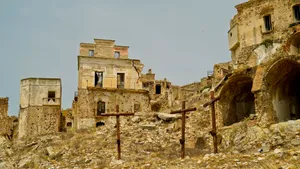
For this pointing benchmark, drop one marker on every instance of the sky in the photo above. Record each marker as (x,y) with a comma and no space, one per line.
(178,39)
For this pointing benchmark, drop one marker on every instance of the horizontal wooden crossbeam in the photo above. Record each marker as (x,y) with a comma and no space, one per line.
(119,114)
(185,110)
(211,102)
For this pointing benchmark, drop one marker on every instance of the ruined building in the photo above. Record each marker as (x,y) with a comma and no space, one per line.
(40,106)
(107,77)
(3,107)
(7,124)
(264,40)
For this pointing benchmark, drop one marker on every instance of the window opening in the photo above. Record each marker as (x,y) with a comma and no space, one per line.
(69,124)
(51,96)
(268,22)
(98,124)
(297,12)
(158,89)
(99,79)
(120,80)
(101,108)
(91,52)
(117,55)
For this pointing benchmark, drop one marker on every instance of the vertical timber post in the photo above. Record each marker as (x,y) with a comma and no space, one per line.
(118,132)
(182,141)
(213,119)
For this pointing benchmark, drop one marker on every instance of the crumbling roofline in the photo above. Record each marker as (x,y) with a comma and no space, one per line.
(40,78)
(107,40)
(121,46)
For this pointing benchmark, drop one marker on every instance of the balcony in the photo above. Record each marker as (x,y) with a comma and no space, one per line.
(51,101)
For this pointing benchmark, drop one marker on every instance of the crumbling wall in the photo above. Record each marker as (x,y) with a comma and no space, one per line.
(35,120)
(39,114)
(126,99)
(89,65)
(7,124)
(3,107)
(253,36)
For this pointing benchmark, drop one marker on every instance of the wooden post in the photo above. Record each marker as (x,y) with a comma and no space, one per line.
(213,132)
(118,127)
(118,132)
(214,127)
(182,141)
(183,111)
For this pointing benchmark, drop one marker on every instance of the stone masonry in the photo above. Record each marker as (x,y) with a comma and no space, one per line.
(40,106)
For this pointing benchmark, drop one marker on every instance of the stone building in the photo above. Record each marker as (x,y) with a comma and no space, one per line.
(40,106)
(264,40)
(67,119)
(7,124)
(107,77)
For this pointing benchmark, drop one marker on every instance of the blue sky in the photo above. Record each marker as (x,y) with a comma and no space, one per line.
(177,39)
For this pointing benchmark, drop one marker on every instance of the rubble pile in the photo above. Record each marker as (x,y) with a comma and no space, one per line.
(152,141)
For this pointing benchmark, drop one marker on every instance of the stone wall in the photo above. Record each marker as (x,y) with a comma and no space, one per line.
(38,113)
(127,100)
(252,33)
(104,48)
(3,107)
(36,120)
(110,67)
(34,91)
(7,124)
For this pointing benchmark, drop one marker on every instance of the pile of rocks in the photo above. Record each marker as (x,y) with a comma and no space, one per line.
(152,141)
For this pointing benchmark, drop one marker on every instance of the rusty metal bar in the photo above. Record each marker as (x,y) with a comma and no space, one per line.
(213,118)
(184,110)
(182,141)
(118,132)
(118,114)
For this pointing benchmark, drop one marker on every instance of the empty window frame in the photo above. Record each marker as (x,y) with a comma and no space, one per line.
(268,22)
(51,96)
(117,54)
(69,124)
(91,52)
(98,79)
(296,10)
(158,89)
(100,108)
(120,80)
(137,107)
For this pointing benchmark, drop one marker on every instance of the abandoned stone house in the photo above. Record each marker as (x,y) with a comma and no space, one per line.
(264,73)
(40,106)
(107,77)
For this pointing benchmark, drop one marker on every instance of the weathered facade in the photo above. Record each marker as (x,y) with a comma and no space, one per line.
(8,125)
(264,39)
(40,106)
(3,107)
(107,77)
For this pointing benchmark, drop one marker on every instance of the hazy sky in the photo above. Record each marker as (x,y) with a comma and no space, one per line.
(177,39)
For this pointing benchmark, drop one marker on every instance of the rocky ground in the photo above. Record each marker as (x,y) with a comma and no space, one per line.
(152,141)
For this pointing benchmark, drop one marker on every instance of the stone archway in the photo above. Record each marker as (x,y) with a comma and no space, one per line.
(292,46)
(283,82)
(237,100)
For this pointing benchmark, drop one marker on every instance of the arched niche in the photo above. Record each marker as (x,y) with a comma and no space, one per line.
(283,82)
(237,100)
